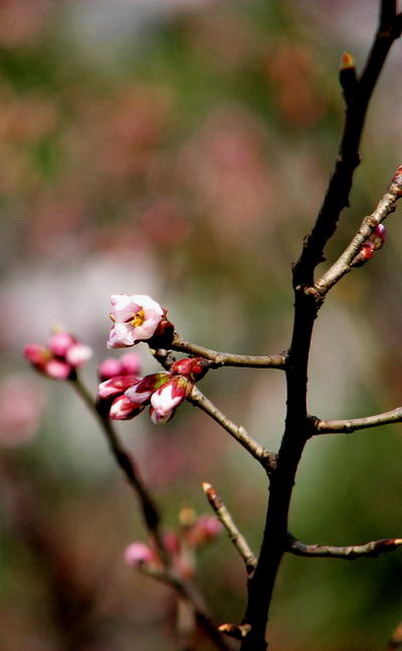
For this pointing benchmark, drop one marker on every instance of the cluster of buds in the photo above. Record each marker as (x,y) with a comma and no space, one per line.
(125,396)
(128,364)
(193,532)
(60,358)
(374,242)
(136,318)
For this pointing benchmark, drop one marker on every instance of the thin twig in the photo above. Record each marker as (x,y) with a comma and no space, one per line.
(343,265)
(353,424)
(128,466)
(228,359)
(235,536)
(267,459)
(188,592)
(350,552)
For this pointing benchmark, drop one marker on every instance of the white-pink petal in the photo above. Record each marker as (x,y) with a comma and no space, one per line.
(78,354)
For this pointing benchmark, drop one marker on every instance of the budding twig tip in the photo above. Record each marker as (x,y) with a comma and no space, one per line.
(347,61)
(206,487)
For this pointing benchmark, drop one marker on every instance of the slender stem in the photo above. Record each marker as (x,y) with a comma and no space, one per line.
(267,459)
(228,359)
(350,552)
(128,466)
(353,424)
(344,263)
(235,536)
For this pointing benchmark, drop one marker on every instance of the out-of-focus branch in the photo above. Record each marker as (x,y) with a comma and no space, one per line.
(267,459)
(350,552)
(344,263)
(189,593)
(396,640)
(228,359)
(353,424)
(128,466)
(235,536)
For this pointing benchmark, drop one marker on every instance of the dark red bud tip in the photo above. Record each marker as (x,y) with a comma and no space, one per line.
(192,368)
(163,335)
(367,250)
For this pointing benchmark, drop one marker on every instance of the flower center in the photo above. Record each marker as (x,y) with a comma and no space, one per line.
(138,318)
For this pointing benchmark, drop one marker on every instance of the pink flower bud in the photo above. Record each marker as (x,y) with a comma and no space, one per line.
(138,554)
(206,528)
(116,386)
(37,355)
(135,318)
(60,343)
(78,354)
(142,392)
(109,368)
(165,400)
(123,408)
(131,364)
(58,370)
(193,368)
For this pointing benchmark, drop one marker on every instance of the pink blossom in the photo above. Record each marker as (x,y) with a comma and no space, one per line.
(109,368)
(123,408)
(63,354)
(135,318)
(138,554)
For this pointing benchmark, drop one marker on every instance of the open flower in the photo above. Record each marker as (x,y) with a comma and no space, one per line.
(135,317)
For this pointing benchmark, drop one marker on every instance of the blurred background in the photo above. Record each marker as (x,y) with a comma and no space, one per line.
(181,148)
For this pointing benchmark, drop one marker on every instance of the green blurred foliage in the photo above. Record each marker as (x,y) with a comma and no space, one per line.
(183,149)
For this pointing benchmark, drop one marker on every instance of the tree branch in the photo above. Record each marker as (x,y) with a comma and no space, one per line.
(235,536)
(188,592)
(350,552)
(128,466)
(353,424)
(344,264)
(228,359)
(267,459)
(298,423)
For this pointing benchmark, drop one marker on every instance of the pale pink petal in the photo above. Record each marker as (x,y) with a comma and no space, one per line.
(57,369)
(158,419)
(165,399)
(120,336)
(78,354)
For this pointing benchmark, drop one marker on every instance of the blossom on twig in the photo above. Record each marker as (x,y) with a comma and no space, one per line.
(135,317)
(60,359)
